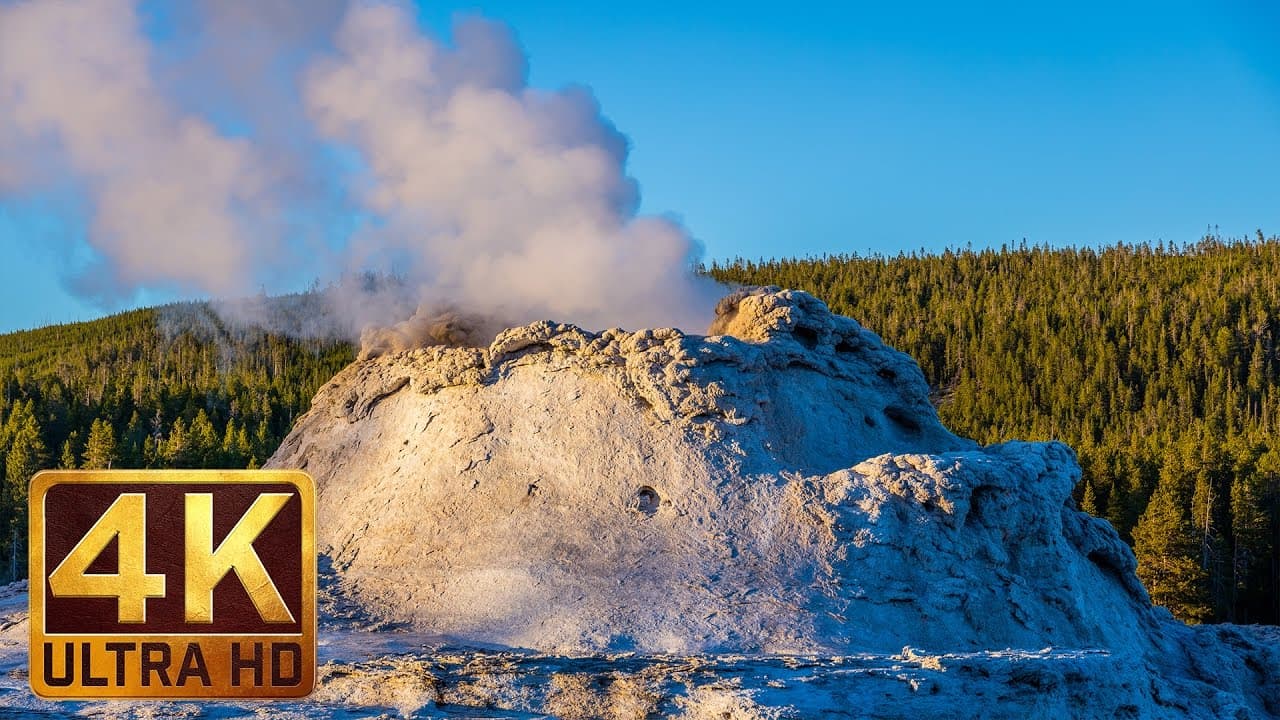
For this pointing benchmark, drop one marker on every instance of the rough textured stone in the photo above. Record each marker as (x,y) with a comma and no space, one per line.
(783,487)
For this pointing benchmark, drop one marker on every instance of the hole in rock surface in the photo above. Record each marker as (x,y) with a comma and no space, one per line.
(647,500)
(902,418)
(807,337)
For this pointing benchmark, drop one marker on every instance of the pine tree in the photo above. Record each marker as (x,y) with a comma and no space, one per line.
(100,450)
(1089,502)
(152,452)
(177,448)
(1168,555)
(235,446)
(131,448)
(204,441)
(24,457)
(1251,549)
(67,458)
(263,444)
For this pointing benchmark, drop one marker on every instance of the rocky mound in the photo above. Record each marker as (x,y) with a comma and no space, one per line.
(781,486)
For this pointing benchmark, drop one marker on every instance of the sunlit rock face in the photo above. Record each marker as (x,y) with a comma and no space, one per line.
(783,485)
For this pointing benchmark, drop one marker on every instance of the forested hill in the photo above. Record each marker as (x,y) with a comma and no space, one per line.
(162,387)
(1159,365)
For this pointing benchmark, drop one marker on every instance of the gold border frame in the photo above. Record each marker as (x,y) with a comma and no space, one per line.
(46,479)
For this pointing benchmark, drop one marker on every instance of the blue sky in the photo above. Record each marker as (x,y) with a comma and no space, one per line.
(806,128)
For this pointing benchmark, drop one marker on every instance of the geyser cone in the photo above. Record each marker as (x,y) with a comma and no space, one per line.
(787,489)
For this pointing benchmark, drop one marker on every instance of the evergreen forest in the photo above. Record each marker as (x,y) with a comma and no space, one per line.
(167,387)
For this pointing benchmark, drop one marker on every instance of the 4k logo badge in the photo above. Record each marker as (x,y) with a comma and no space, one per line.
(172,584)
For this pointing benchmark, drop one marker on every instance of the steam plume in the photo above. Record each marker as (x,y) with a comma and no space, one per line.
(173,203)
(214,173)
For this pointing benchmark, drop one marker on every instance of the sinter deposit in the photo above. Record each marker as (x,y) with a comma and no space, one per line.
(781,486)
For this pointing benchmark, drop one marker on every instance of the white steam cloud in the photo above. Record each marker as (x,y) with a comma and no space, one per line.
(214,173)
(173,202)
